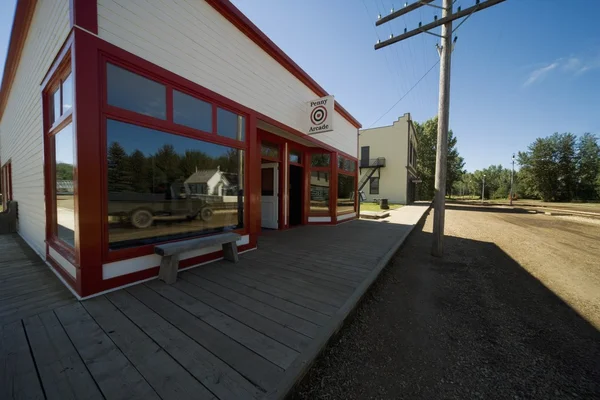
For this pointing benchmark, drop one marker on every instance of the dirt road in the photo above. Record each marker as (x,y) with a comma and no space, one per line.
(508,313)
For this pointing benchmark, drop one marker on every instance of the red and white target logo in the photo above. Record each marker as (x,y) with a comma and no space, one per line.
(318,115)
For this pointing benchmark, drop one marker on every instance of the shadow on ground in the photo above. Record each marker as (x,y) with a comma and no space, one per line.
(474,324)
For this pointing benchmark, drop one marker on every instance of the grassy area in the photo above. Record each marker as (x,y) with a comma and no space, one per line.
(590,207)
(375,207)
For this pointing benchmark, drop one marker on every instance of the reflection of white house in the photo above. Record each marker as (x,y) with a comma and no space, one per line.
(319,184)
(208,181)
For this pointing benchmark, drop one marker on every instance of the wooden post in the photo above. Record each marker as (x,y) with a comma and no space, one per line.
(437,249)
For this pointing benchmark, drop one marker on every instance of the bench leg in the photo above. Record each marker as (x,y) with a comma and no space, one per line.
(230,252)
(168,269)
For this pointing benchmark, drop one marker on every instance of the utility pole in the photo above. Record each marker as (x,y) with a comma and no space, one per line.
(445,52)
(512,174)
(483,189)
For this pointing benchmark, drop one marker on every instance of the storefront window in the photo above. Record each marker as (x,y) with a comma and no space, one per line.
(345,199)
(192,112)
(163,186)
(269,150)
(230,124)
(346,164)
(135,93)
(295,157)
(320,160)
(64,168)
(319,192)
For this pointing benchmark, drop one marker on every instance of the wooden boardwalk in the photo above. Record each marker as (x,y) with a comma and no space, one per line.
(27,286)
(226,331)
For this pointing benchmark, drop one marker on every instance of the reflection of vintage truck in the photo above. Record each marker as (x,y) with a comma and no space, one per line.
(142,209)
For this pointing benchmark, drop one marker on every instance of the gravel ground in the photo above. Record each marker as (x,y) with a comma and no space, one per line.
(508,313)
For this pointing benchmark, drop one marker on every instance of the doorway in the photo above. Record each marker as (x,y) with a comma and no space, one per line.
(269,204)
(295,199)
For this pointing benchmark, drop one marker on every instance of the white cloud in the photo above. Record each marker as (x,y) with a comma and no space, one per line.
(540,73)
(572,65)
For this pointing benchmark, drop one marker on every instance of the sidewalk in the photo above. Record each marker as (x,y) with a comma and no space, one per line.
(226,331)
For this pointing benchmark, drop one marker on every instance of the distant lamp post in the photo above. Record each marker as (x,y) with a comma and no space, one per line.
(512,174)
(483,189)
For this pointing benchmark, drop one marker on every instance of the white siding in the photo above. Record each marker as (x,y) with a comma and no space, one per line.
(194,41)
(21,136)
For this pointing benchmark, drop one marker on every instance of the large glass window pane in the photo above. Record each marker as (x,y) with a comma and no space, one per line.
(269,150)
(345,200)
(319,191)
(67,94)
(136,93)
(230,124)
(64,156)
(163,187)
(320,160)
(55,110)
(192,112)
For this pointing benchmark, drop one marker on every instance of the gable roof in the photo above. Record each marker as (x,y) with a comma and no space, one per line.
(201,176)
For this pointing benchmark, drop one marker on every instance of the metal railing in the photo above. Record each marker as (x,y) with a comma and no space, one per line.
(373,162)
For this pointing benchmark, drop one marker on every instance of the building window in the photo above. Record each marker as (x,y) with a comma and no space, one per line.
(64,178)
(295,157)
(192,112)
(374,185)
(135,93)
(230,124)
(6,183)
(269,150)
(319,192)
(346,190)
(320,160)
(61,99)
(163,186)
(346,164)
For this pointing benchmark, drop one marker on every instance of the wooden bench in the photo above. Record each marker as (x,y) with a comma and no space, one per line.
(170,252)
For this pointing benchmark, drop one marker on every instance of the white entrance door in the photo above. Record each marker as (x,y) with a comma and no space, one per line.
(269,195)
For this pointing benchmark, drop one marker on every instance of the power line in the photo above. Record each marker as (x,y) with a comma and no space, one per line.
(405,94)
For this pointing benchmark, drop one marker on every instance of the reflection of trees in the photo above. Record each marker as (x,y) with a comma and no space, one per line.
(345,186)
(155,173)
(64,172)
(320,160)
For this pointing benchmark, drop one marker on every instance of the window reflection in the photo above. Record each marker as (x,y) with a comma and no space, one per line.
(163,187)
(192,112)
(67,93)
(319,191)
(135,93)
(345,200)
(295,157)
(320,160)
(230,124)
(64,157)
(269,150)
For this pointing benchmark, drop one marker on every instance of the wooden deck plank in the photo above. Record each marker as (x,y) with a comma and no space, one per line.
(216,375)
(299,311)
(341,286)
(37,305)
(273,290)
(168,378)
(266,347)
(112,371)
(63,373)
(259,323)
(18,376)
(293,285)
(249,364)
(282,317)
(324,268)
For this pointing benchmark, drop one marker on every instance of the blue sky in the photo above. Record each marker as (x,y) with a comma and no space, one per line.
(521,70)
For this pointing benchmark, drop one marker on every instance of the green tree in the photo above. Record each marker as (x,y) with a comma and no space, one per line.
(64,172)
(588,167)
(140,180)
(426,150)
(119,173)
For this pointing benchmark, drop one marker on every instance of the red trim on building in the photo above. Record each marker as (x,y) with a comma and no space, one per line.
(18,35)
(243,23)
(84,13)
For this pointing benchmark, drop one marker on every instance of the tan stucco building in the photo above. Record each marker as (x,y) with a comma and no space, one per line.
(388,162)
